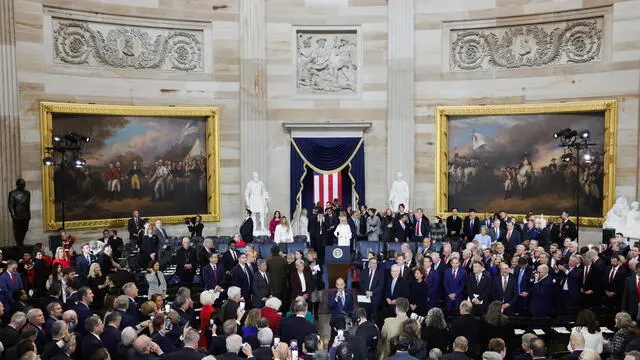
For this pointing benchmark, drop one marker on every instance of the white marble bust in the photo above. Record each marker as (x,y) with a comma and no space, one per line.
(399,193)
(617,215)
(256,198)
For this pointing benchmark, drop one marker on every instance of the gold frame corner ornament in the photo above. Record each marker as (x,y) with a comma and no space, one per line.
(608,107)
(212,146)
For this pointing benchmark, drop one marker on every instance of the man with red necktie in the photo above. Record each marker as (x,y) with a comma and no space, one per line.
(10,281)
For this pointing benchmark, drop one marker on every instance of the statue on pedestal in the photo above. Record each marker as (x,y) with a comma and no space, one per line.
(617,215)
(399,193)
(256,198)
(20,210)
(632,228)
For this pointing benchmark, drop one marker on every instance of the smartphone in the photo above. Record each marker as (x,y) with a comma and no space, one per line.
(72,325)
(167,324)
(167,308)
(211,324)
(341,335)
(242,305)
(151,317)
(276,342)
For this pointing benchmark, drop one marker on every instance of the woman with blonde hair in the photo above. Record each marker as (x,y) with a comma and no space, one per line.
(61,258)
(207,298)
(250,326)
(283,232)
(615,346)
(343,231)
(148,309)
(483,239)
(98,283)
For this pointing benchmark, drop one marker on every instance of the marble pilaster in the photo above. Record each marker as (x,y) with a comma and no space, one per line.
(400,73)
(253,96)
(9,118)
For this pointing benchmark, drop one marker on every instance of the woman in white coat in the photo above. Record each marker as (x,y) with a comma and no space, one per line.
(284,233)
(373,225)
(343,231)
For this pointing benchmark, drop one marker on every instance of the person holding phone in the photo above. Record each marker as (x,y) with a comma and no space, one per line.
(160,331)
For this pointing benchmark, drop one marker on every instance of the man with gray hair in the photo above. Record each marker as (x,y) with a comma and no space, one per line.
(265,339)
(36,318)
(122,304)
(217,345)
(111,335)
(131,291)
(234,346)
(260,289)
(92,342)
(230,307)
(59,330)
(145,349)
(204,252)
(576,345)
(435,354)
(526,345)
(460,347)
(10,334)
(190,349)
(181,305)
(466,325)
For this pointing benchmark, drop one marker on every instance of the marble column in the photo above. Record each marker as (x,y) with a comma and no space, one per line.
(400,68)
(9,123)
(253,95)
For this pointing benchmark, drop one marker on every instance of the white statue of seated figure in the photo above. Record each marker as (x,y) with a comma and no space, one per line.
(617,215)
(632,228)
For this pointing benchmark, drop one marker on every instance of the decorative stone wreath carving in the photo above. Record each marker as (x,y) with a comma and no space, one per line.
(535,45)
(82,43)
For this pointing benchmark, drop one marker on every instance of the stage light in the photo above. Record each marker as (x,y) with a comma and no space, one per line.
(48,161)
(588,158)
(79,162)
(566,157)
(562,133)
(585,134)
(75,137)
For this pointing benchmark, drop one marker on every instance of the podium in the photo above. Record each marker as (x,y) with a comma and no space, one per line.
(338,261)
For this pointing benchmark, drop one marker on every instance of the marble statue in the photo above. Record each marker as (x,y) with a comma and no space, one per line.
(632,228)
(256,198)
(20,210)
(300,224)
(399,193)
(617,215)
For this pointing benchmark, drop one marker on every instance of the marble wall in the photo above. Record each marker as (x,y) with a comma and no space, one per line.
(255,66)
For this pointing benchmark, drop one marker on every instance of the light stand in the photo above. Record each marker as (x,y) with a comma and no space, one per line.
(72,144)
(574,142)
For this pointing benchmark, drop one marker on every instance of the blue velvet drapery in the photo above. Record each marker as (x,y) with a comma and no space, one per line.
(326,155)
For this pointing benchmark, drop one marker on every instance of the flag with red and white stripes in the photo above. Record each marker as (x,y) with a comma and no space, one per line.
(327,187)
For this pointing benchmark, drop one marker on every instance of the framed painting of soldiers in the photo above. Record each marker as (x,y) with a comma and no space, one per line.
(163,161)
(505,158)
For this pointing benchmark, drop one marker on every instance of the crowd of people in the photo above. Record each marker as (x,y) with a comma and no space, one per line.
(454,290)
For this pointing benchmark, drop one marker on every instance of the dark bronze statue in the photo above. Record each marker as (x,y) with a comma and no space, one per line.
(20,209)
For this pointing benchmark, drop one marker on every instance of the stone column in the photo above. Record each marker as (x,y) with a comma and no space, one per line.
(253,95)
(9,123)
(400,73)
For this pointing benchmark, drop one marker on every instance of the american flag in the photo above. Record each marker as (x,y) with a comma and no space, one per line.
(327,187)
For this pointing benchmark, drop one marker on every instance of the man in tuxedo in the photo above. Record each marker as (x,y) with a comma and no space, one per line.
(296,327)
(246,229)
(570,284)
(230,257)
(83,264)
(454,284)
(503,289)
(454,223)
(478,283)
(614,285)
(92,342)
(471,225)
(590,280)
(135,227)
(372,285)
(241,277)
(260,288)
(186,261)
(421,226)
(541,293)
(433,280)
(340,301)
(567,229)
(630,300)
(213,274)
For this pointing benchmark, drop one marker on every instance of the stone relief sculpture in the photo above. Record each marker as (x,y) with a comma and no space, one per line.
(84,43)
(617,215)
(327,63)
(632,230)
(556,43)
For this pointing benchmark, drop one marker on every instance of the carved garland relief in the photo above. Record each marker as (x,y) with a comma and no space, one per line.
(327,62)
(117,46)
(558,43)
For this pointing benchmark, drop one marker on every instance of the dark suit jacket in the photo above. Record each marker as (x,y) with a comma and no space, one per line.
(454,225)
(507,296)
(260,289)
(630,296)
(217,345)
(401,289)
(90,344)
(296,327)
(454,286)
(296,285)
(133,311)
(467,230)
(402,234)
(210,282)
(401,356)
(434,288)
(134,230)
(467,326)
(568,229)
(196,229)
(425,227)
(617,285)
(377,285)
(456,355)
(483,288)
(574,355)
(203,256)
(228,356)
(127,320)
(336,307)
(263,353)
(111,336)
(184,354)
(524,286)
(239,279)
(513,241)
(572,280)
(540,296)
(246,230)
(83,314)
(276,266)
(227,260)
(82,266)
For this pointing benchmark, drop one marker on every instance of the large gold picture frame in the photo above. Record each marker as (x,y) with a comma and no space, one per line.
(608,109)
(210,115)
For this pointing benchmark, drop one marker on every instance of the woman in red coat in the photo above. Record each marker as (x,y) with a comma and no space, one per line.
(270,312)
(207,300)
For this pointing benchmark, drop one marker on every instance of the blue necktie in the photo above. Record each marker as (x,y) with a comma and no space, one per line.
(520,275)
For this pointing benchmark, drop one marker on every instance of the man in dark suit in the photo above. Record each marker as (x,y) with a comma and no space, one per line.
(241,277)
(131,291)
(186,261)
(590,280)
(454,284)
(204,253)
(9,335)
(213,274)
(111,335)
(433,281)
(234,346)
(513,238)
(460,347)
(190,349)
(478,283)
(503,289)
(122,304)
(92,342)
(54,313)
(630,294)
(541,293)
(613,282)
(329,226)
(276,265)
(403,345)
(260,289)
(396,287)
(537,349)
(421,227)
(116,243)
(36,320)
(230,257)
(522,276)
(466,325)
(296,327)
(577,342)
(217,344)
(567,228)
(372,285)
(264,351)
(454,223)
(82,309)
(405,272)
(246,228)
(135,226)
(471,225)
(570,284)
(496,233)
(340,301)
(315,237)
(401,230)
(368,332)
(83,264)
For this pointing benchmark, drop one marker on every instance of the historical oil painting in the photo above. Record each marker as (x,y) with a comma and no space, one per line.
(163,165)
(327,61)
(507,158)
